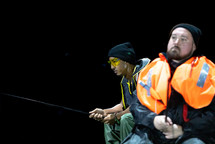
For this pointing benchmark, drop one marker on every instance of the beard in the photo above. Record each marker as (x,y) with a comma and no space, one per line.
(174,53)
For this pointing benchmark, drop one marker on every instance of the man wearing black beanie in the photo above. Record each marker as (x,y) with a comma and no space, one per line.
(195,31)
(118,121)
(176,94)
(124,51)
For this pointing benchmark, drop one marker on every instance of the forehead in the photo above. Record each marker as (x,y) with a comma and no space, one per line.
(112,58)
(181,31)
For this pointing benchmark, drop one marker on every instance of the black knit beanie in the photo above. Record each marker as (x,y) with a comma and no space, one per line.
(196,32)
(124,51)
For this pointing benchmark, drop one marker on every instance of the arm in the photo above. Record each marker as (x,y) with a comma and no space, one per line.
(114,109)
(142,115)
(119,114)
(201,126)
(145,117)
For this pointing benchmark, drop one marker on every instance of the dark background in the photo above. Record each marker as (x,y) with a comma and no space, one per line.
(56,53)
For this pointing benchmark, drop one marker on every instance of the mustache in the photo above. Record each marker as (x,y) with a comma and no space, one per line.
(175,47)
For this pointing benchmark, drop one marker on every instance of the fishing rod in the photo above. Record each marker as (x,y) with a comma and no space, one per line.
(45,103)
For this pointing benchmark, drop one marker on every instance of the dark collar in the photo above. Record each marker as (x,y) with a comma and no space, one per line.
(173,63)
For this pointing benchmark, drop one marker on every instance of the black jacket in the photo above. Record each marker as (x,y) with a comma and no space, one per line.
(201,122)
(128,87)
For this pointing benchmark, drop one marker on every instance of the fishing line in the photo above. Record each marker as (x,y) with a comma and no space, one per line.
(45,103)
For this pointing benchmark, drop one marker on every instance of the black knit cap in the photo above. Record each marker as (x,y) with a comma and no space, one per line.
(124,51)
(196,32)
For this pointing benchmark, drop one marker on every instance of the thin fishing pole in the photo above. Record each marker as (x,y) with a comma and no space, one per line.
(45,103)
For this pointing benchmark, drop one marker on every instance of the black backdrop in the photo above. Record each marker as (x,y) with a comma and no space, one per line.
(57,54)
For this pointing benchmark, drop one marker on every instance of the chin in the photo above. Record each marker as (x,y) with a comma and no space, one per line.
(173,56)
(118,74)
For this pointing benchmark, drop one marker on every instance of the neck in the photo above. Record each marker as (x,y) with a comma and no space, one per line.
(176,61)
(129,71)
(181,61)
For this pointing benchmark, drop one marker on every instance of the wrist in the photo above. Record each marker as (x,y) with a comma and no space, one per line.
(116,117)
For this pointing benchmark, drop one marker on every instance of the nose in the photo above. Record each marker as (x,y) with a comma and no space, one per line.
(112,67)
(176,41)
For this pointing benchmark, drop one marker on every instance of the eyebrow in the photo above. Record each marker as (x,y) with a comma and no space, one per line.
(181,35)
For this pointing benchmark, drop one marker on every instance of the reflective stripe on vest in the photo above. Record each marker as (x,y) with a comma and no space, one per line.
(203,75)
(149,83)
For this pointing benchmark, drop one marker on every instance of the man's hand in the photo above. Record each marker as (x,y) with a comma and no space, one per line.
(109,119)
(97,114)
(166,126)
(173,131)
(161,122)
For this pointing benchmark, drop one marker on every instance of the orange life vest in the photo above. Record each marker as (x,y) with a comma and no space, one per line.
(194,80)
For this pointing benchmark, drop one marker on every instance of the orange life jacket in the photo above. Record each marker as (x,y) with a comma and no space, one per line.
(194,80)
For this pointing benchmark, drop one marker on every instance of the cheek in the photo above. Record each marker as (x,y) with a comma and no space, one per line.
(169,45)
(119,69)
(185,50)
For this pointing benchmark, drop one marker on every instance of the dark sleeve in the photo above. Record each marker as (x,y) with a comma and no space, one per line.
(204,124)
(142,115)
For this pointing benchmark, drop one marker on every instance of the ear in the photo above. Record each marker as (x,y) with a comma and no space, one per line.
(125,64)
(194,47)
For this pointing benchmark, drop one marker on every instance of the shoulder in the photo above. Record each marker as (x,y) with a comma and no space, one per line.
(141,63)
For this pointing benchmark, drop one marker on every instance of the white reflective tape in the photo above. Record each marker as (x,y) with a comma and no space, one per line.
(203,75)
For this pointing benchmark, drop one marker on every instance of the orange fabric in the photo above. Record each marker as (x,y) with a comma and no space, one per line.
(185,81)
(157,101)
(153,83)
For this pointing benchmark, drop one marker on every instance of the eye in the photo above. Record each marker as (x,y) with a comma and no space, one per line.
(115,60)
(183,39)
(174,37)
